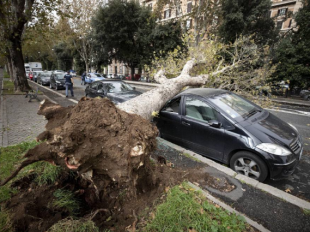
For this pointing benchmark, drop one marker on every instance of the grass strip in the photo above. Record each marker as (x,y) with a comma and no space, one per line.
(187,210)
(8,89)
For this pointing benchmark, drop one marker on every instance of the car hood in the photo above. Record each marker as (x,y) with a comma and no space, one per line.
(124,96)
(271,129)
(62,81)
(97,78)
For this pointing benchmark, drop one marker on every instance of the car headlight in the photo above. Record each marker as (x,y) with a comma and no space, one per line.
(293,126)
(274,149)
(58,82)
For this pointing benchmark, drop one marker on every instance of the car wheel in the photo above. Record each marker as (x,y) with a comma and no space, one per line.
(250,165)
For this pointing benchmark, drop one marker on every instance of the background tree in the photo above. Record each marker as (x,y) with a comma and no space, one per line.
(82,11)
(127,32)
(14,16)
(292,54)
(247,17)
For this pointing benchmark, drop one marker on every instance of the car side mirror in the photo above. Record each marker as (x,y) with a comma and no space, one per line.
(215,124)
(169,109)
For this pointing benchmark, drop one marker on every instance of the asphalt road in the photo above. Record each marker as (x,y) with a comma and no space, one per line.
(298,184)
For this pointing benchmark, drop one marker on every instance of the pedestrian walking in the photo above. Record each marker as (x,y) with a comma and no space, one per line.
(83,78)
(68,83)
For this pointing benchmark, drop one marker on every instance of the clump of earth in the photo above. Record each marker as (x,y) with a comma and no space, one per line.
(104,153)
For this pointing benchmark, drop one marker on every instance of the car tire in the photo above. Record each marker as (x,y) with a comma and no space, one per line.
(249,164)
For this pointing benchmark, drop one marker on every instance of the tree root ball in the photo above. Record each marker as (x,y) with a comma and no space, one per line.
(108,147)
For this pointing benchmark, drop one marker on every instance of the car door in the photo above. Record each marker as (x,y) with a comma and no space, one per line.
(169,121)
(93,89)
(197,133)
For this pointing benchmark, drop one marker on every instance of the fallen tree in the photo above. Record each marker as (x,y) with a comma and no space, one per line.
(109,146)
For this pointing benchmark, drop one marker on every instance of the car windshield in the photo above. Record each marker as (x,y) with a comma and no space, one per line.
(98,75)
(45,76)
(60,76)
(117,87)
(234,106)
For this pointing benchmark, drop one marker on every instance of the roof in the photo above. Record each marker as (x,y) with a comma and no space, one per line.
(203,92)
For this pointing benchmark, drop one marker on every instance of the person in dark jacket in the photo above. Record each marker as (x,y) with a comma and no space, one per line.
(68,83)
(83,78)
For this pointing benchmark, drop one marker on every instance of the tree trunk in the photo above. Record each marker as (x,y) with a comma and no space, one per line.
(132,70)
(18,68)
(10,68)
(87,67)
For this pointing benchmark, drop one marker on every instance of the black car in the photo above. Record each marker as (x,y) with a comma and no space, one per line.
(57,81)
(116,90)
(226,127)
(43,78)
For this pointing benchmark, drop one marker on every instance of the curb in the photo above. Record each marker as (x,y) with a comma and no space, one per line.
(3,121)
(306,104)
(229,209)
(59,94)
(244,179)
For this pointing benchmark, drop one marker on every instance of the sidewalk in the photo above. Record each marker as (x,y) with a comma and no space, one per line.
(296,101)
(19,119)
(274,209)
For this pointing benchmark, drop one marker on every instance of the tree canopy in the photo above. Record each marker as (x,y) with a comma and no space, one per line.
(292,54)
(127,32)
(247,17)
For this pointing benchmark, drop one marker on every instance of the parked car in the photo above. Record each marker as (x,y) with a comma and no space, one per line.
(136,77)
(44,78)
(305,94)
(57,81)
(116,90)
(228,128)
(30,75)
(59,71)
(27,74)
(91,77)
(35,75)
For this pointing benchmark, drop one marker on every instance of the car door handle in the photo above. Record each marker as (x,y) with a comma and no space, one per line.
(185,123)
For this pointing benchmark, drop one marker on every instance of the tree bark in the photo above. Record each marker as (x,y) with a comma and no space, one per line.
(18,68)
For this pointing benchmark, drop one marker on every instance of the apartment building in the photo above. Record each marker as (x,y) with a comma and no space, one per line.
(282,11)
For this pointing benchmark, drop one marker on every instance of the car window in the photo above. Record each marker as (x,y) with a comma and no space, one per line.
(233,105)
(118,87)
(98,75)
(100,86)
(94,86)
(59,76)
(195,108)
(173,105)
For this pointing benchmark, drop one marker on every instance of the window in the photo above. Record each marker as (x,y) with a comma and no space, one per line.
(94,86)
(150,6)
(290,23)
(167,14)
(189,7)
(282,11)
(178,11)
(197,109)
(173,106)
(279,25)
(188,24)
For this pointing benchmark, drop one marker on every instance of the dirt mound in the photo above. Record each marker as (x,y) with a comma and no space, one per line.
(109,151)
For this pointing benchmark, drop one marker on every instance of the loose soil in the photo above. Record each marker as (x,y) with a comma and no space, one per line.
(105,154)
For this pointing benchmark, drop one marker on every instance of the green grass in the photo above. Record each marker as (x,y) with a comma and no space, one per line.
(186,209)
(10,158)
(71,225)
(65,199)
(306,212)
(191,157)
(6,75)
(5,221)
(8,89)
